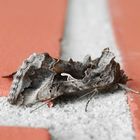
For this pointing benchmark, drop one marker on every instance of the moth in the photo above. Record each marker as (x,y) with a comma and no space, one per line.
(44,78)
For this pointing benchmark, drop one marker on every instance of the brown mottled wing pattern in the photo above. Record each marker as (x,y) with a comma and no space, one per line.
(42,77)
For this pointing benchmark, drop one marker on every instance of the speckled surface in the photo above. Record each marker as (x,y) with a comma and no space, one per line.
(87,31)
(107,118)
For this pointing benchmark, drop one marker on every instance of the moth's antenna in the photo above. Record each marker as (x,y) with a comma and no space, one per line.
(94,93)
(85,95)
(128,89)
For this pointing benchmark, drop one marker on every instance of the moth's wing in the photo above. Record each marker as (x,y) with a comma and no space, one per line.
(20,79)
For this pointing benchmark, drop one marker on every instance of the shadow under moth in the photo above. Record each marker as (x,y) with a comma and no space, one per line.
(44,78)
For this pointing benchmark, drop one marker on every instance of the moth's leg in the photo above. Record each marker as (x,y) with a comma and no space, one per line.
(86,94)
(49,102)
(128,89)
(95,91)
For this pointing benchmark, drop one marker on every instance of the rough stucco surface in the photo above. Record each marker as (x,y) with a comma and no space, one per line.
(87,31)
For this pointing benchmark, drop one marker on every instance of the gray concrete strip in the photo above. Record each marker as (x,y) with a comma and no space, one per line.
(88,31)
